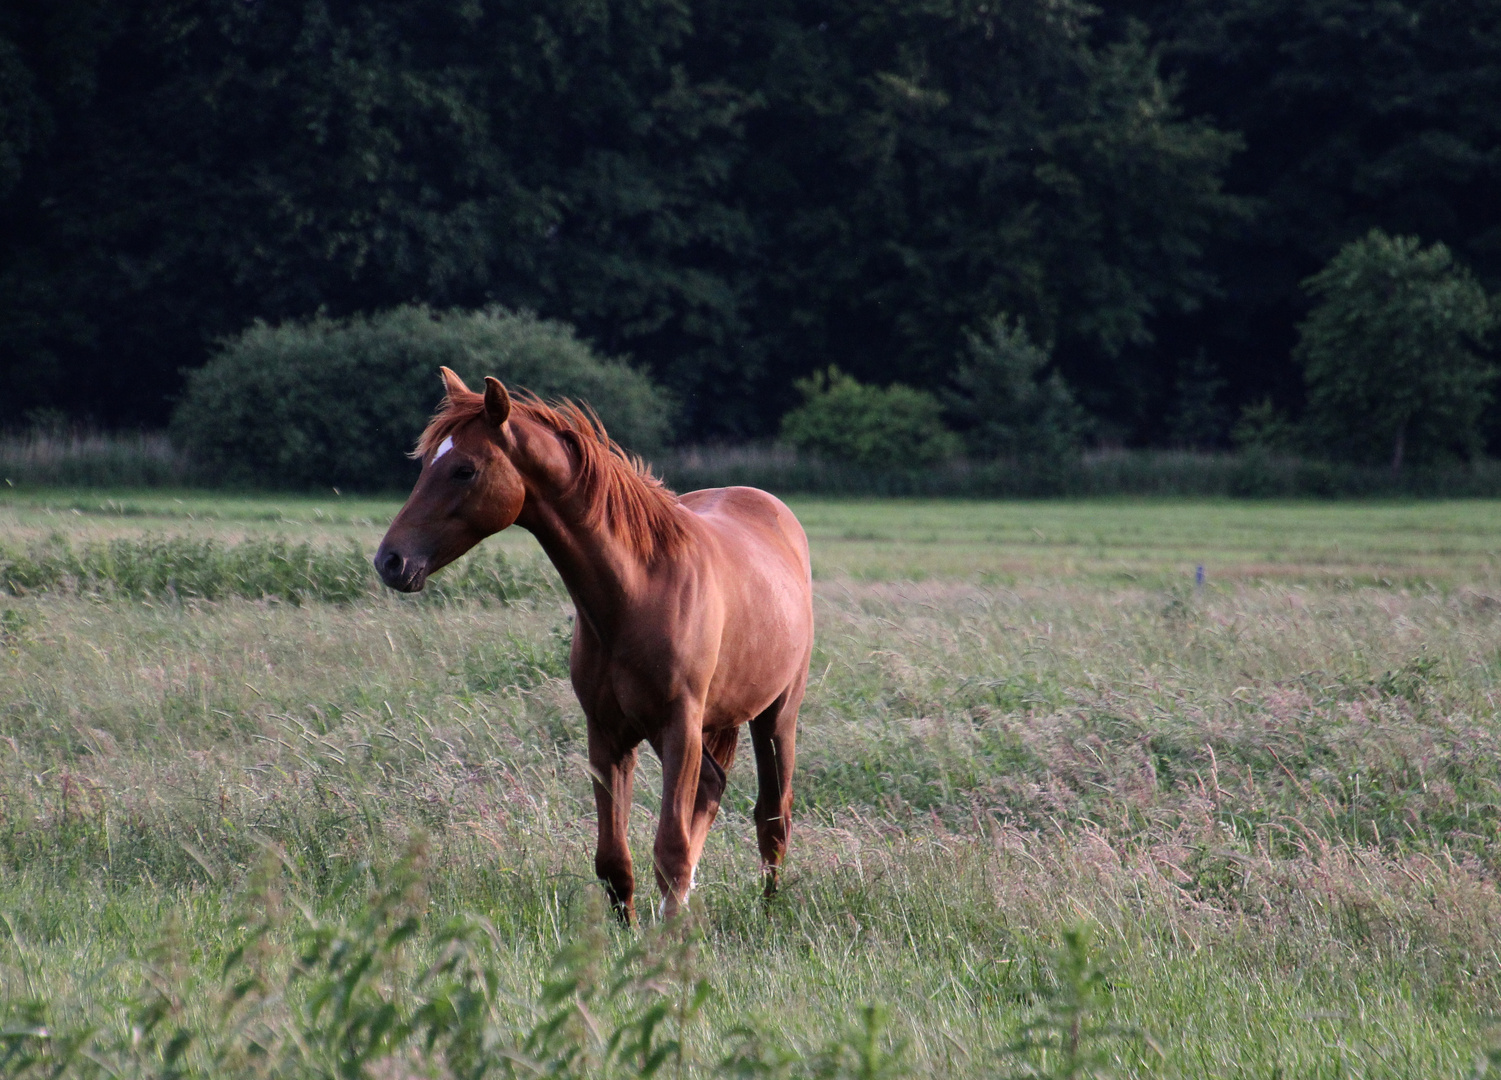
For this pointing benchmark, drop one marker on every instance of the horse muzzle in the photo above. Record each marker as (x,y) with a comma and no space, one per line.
(400,572)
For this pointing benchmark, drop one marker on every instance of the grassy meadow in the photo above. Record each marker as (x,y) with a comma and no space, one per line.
(1273,801)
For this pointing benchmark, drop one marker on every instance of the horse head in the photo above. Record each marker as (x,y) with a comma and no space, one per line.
(468,489)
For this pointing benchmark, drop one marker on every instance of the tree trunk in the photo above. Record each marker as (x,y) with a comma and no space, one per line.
(1398,447)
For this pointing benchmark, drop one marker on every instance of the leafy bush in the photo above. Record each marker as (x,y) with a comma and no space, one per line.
(1007,407)
(1392,354)
(892,428)
(340,401)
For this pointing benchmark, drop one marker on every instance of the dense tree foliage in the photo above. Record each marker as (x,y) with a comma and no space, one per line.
(1355,115)
(1008,403)
(1391,353)
(214,161)
(734,194)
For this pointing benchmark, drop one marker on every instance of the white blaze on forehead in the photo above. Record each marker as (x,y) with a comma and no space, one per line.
(444,447)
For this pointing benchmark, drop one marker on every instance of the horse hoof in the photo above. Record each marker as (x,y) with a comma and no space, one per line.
(623,910)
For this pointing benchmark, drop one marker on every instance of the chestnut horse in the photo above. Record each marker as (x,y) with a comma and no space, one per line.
(695,613)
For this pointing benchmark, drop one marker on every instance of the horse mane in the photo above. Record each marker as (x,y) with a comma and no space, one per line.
(618,489)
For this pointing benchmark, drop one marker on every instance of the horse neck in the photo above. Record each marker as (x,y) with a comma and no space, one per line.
(600,571)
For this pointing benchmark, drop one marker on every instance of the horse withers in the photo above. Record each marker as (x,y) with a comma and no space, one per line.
(695,612)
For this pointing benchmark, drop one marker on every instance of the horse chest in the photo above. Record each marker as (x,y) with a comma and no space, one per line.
(636,692)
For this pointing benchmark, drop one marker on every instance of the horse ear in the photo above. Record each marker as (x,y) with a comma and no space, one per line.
(452,383)
(497,401)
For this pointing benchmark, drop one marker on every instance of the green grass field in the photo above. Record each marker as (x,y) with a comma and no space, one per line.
(1275,801)
(1102,540)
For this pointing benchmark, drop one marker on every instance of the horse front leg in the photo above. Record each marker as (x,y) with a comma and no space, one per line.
(681,749)
(613,770)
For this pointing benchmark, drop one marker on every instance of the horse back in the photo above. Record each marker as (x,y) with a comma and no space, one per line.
(747,521)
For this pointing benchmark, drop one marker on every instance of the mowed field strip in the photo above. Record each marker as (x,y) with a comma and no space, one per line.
(1275,799)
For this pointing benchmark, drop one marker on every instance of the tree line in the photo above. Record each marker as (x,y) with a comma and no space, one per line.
(735,195)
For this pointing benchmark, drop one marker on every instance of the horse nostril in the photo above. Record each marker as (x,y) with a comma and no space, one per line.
(389,564)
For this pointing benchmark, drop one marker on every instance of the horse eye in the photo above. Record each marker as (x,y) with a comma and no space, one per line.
(464,472)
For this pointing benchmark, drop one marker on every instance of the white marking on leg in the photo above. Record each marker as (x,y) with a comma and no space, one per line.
(444,447)
(683,902)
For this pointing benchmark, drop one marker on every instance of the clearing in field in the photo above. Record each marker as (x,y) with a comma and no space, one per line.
(1270,802)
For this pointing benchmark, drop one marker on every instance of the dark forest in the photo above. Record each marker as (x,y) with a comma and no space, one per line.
(733,195)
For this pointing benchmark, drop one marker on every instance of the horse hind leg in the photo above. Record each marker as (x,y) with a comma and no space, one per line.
(774,737)
(718,755)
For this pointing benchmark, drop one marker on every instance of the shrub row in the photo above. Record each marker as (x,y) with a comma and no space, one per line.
(180,567)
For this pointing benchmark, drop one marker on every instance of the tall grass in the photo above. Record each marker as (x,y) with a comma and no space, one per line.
(1269,807)
(388,989)
(204,568)
(80,457)
(1272,806)
(143,460)
(1099,473)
